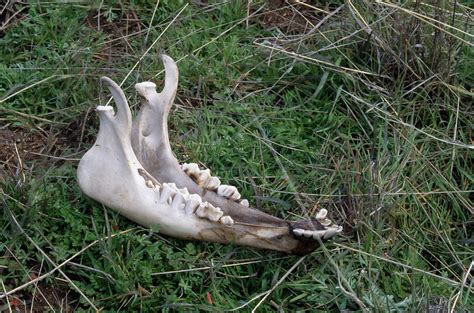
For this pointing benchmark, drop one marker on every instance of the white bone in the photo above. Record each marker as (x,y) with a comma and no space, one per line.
(132,169)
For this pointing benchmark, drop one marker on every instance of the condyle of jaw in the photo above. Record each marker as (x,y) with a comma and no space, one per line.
(132,169)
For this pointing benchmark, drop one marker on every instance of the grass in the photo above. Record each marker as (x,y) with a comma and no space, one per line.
(365,109)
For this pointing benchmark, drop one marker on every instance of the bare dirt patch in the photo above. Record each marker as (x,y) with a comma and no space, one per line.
(11,12)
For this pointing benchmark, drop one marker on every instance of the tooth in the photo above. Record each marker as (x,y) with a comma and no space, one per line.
(193,202)
(318,234)
(202,209)
(321,215)
(192,169)
(203,176)
(226,220)
(184,191)
(325,222)
(212,183)
(245,202)
(330,232)
(298,231)
(156,188)
(178,201)
(230,192)
(308,233)
(168,191)
(213,213)
(149,184)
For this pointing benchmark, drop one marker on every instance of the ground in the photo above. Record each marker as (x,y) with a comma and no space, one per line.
(362,108)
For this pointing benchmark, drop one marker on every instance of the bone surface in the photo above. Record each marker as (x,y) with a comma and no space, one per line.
(132,169)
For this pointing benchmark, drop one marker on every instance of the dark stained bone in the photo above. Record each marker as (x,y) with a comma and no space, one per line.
(151,145)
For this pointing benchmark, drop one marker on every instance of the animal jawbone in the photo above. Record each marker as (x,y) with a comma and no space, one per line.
(132,169)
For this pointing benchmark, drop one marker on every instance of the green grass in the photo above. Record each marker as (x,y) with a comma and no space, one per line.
(373,123)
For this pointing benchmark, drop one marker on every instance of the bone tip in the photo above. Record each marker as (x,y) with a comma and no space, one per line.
(167,59)
(145,85)
(106,80)
(144,88)
(102,108)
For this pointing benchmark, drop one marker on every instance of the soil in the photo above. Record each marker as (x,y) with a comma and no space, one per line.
(11,12)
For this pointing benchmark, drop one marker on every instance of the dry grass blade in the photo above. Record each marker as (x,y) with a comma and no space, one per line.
(279,282)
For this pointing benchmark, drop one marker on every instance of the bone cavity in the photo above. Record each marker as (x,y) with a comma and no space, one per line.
(229,192)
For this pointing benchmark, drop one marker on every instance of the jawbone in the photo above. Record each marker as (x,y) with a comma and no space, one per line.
(132,169)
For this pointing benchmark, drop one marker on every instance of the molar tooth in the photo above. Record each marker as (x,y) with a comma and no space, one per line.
(321,215)
(193,202)
(202,209)
(178,201)
(298,231)
(226,220)
(212,183)
(202,177)
(245,202)
(168,191)
(149,184)
(184,191)
(191,169)
(230,192)
(213,213)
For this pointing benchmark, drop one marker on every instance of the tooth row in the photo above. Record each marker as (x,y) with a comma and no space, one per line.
(202,177)
(181,199)
(329,232)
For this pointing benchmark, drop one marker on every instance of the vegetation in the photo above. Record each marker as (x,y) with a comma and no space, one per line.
(362,108)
